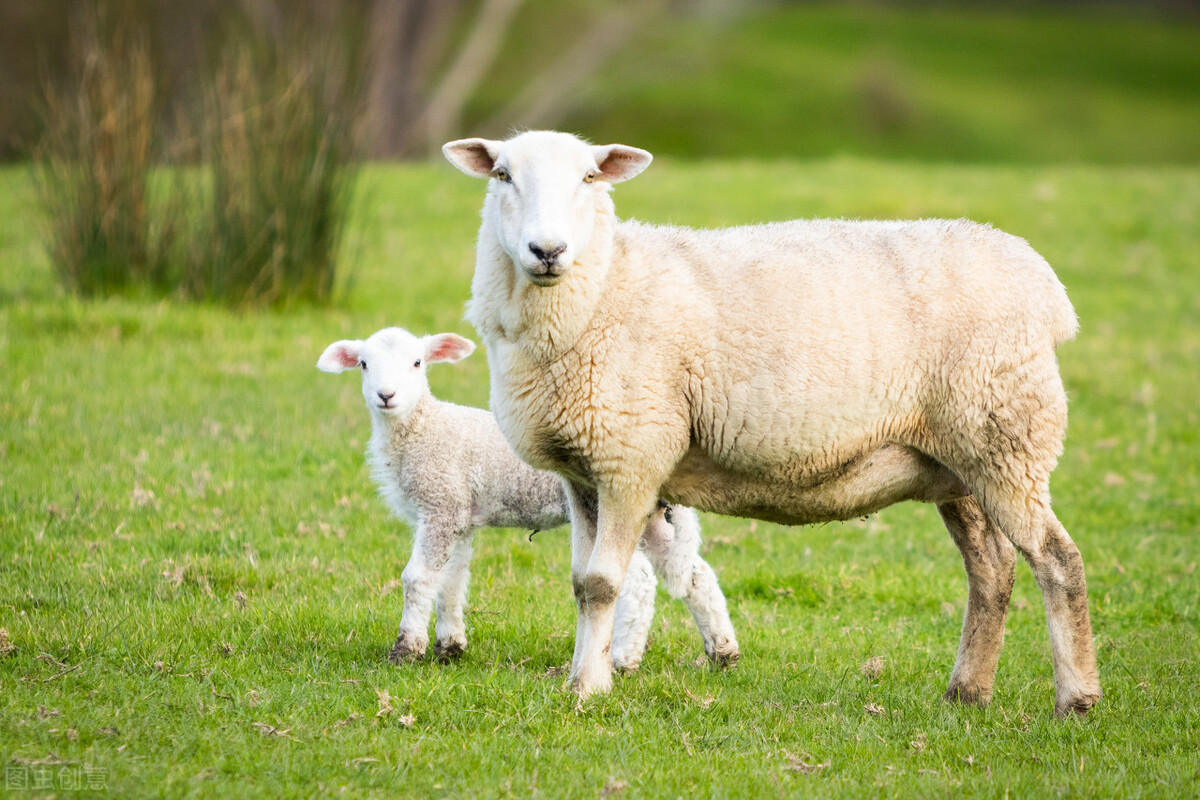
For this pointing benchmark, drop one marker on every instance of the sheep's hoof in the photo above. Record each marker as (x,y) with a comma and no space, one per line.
(968,695)
(407,649)
(583,689)
(1077,706)
(449,650)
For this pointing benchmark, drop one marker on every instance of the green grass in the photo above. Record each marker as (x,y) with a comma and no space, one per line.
(188,529)
(976,82)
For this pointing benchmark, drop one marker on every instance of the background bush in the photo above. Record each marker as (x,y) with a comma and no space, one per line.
(258,220)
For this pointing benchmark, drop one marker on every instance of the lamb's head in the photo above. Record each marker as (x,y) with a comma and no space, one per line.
(393,363)
(543,193)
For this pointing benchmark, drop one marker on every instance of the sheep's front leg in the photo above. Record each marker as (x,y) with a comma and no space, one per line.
(451,640)
(422,578)
(598,581)
(672,541)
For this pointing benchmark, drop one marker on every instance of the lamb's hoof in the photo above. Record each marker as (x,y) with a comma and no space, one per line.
(1077,706)
(968,695)
(407,649)
(626,667)
(449,650)
(724,656)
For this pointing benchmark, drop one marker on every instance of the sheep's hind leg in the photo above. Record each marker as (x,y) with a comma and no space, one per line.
(672,541)
(620,523)
(422,578)
(990,562)
(1058,568)
(634,614)
(450,641)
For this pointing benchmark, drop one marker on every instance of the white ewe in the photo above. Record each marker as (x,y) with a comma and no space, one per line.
(796,372)
(447,470)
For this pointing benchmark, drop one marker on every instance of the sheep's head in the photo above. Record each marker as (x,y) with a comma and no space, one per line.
(393,364)
(543,186)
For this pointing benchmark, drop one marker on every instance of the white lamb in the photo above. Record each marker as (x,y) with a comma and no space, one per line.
(796,372)
(447,470)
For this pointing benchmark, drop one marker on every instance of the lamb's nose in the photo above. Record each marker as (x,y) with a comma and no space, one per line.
(547,252)
(385,396)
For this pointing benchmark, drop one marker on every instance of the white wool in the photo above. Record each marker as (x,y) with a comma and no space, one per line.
(447,470)
(796,372)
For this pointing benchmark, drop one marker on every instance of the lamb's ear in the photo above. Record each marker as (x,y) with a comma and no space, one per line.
(340,356)
(476,157)
(447,347)
(619,162)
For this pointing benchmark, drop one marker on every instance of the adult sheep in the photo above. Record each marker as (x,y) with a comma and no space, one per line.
(796,372)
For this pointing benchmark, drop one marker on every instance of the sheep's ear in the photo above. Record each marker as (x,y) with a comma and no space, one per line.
(619,162)
(476,157)
(339,356)
(447,347)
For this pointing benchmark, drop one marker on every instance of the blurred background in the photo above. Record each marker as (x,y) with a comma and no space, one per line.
(1082,81)
(211,149)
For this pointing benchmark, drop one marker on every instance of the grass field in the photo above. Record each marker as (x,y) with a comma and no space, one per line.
(197,584)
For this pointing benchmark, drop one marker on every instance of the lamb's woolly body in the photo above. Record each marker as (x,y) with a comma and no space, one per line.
(449,465)
(797,372)
(447,470)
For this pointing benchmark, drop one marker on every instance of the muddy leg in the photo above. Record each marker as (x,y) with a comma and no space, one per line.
(422,577)
(990,562)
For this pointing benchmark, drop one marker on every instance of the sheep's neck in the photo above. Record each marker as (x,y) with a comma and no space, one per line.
(543,322)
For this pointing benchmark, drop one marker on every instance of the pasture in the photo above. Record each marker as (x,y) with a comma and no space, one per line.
(198,585)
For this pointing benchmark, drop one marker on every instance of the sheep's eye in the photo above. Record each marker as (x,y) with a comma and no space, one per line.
(417,363)
(502,175)
(591,176)
(363,364)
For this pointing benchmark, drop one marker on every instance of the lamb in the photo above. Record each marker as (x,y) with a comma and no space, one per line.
(794,372)
(447,470)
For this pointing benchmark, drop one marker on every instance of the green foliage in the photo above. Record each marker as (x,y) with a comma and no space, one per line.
(187,528)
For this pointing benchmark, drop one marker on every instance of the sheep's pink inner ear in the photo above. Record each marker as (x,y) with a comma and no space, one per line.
(475,157)
(447,347)
(619,162)
(338,357)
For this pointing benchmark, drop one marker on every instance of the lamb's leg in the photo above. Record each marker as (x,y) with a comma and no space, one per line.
(598,581)
(451,639)
(990,562)
(634,613)
(672,541)
(422,577)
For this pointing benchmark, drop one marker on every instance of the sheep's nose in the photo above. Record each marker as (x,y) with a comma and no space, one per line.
(547,252)
(385,396)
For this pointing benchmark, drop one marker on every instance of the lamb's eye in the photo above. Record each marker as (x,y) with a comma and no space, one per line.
(417,363)
(591,176)
(502,175)
(363,364)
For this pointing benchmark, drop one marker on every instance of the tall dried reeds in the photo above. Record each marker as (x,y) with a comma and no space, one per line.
(278,142)
(260,222)
(106,230)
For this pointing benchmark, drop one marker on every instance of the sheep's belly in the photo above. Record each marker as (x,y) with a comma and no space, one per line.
(889,474)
